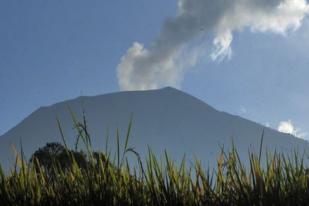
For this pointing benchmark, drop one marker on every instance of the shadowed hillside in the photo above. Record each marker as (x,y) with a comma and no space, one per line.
(163,119)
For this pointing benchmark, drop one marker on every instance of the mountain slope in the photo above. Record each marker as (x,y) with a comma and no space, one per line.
(163,119)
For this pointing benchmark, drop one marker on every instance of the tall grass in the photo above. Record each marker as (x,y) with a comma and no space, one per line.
(113,181)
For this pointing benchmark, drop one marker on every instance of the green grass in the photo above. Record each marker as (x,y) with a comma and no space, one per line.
(283,181)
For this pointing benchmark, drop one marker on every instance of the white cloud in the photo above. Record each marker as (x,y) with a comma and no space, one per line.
(243,110)
(163,63)
(267,124)
(289,128)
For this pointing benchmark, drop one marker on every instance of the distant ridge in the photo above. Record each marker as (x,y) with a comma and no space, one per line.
(166,118)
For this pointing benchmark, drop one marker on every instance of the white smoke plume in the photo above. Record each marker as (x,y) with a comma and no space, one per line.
(166,60)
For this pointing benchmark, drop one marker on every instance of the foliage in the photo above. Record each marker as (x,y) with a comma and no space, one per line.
(55,154)
(284,181)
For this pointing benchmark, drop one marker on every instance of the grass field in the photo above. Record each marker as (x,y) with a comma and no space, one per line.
(112,181)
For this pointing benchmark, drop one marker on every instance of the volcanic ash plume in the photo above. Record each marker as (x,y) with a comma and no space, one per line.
(164,62)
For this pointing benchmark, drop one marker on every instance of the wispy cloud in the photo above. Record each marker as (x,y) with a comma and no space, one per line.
(243,110)
(163,63)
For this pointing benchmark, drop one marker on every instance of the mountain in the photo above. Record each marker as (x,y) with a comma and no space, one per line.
(162,119)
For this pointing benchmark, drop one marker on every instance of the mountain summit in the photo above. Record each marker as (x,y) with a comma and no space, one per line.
(163,119)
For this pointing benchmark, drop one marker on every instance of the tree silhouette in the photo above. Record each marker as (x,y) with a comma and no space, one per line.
(54,154)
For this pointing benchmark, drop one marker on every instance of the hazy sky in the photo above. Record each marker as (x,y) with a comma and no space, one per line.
(55,50)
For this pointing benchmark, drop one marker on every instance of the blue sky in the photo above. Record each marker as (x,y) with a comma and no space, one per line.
(51,51)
